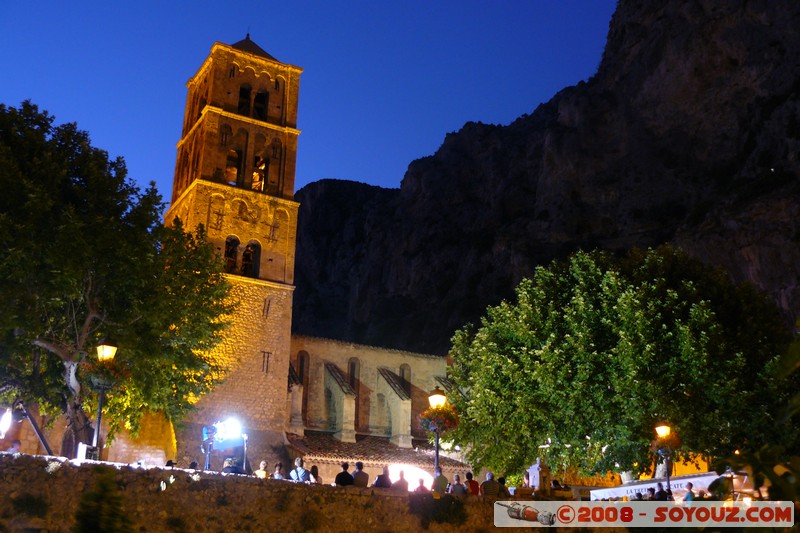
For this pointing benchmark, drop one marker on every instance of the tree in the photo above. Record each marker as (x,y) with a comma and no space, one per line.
(85,256)
(596,351)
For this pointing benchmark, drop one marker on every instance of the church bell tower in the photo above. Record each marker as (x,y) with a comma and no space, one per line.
(234,174)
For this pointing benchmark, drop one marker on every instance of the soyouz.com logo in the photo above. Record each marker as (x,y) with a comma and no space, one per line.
(643,514)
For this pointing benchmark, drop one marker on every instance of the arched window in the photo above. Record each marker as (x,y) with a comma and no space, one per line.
(260,105)
(244,100)
(405,377)
(231,254)
(260,171)
(232,167)
(251,259)
(302,366)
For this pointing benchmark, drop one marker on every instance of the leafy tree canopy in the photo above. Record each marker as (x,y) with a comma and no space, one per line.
(86,255)
(596,352)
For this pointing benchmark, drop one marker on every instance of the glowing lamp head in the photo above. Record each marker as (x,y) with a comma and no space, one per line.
(663,431)
(437,398)
(228,429)
(106,350)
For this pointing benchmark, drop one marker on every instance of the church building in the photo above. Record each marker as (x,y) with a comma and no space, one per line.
(319,398)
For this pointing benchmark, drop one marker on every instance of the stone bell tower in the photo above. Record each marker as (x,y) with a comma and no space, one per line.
(235,174)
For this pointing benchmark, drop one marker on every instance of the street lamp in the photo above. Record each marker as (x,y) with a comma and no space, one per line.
(436,399)
(106,351)
(663,432)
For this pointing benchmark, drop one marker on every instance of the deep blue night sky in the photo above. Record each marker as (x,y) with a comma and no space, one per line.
(383,82)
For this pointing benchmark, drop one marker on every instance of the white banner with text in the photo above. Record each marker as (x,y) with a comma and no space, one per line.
(643,514)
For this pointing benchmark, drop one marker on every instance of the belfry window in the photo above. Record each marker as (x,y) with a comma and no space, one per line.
(251,259)
(244,100)
(232,167)
(231,254)
(260,105)
(260,166)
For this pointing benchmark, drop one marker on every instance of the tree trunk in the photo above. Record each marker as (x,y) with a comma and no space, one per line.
(79,427)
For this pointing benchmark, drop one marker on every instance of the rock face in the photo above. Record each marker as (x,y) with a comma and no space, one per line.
(688,133)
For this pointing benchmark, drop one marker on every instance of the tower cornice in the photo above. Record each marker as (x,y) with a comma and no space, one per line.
(240,118)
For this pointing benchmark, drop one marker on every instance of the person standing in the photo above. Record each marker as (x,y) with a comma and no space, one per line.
(456,487)
(382,481)
(278,472)
(439,481)
(298,473)
(360,478)
(343,478)
(262,470)
(689,496)
(490,487)
(661,494)
(401,485)
(315,477)
(472,486)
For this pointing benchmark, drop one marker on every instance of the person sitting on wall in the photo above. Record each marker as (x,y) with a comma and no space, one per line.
(421,487)
(382,481)
(401,485)
(298,473)
(343,478)
(262,470)
(230,466)
(360,478)
(15,445)
(278,472)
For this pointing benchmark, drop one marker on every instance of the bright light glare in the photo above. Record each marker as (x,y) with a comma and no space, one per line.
(412,474)
(228,429)
(5,423)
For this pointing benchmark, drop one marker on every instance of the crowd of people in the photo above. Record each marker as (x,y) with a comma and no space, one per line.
(359,478)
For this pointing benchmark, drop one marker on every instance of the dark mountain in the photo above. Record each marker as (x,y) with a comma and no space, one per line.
(688,133)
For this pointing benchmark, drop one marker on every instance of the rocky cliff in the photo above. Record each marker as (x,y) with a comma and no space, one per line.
(688,133)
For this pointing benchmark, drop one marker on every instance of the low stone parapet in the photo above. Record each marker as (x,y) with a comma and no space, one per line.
(55,494)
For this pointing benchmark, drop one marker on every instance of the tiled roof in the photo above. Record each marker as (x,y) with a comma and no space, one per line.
(246,45)
(323,447)
(394,382)
(356,346)
(338,375)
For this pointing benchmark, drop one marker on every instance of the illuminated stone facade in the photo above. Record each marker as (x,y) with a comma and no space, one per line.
(235,174)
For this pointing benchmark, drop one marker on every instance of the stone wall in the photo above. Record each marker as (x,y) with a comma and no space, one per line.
(372,412)
(45,493)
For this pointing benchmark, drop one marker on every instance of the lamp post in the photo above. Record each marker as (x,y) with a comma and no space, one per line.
(106,351)
(663,432)
(436,399)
